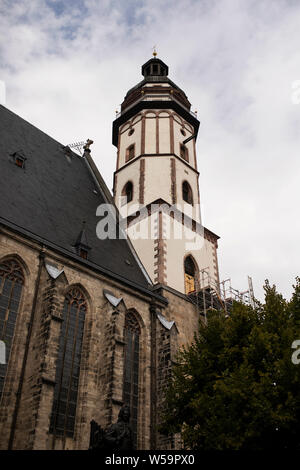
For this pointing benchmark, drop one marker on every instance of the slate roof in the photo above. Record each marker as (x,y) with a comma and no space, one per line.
(154,79)
(50,198)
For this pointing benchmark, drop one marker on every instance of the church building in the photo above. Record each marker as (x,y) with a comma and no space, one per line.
(98,291)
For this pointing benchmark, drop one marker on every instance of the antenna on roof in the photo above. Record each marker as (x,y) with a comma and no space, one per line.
(77,146)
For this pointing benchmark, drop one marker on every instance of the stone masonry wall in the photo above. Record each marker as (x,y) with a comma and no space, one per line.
(26,404)
(166,353)
(101,372)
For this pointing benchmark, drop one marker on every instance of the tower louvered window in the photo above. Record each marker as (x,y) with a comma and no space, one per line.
(189,275)
(130,153)
(68,364)
(184,153)
(11,285)
(127,192)
(131,370)
(187,194)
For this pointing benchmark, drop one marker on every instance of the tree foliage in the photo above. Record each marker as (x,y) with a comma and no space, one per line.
(235,386)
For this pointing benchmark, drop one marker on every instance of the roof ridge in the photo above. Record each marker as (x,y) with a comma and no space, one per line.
(37,129)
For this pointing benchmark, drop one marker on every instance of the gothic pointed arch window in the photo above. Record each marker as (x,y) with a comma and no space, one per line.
(189,275)
(131,369)
(187,194)
(11,286)
(127,192)
(62,422)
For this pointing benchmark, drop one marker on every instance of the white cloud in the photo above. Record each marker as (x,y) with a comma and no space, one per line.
(2,93)
(68,68)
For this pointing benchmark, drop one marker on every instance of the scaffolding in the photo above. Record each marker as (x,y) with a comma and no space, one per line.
(210,295)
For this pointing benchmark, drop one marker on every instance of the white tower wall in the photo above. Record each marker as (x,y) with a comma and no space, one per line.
(154,156)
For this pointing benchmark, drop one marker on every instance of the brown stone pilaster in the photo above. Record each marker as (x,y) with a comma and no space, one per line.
(118,151)
(173,181)
(142,181)
(157,133)
(215,263)
(160,251)
(143,135)
(113,367)
(194,147)
(153,383)
(198,192)
(167,347)
(40,376)
(171,134)
(48,344)
(115,187)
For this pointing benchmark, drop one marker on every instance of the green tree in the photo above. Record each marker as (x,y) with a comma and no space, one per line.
(235,386)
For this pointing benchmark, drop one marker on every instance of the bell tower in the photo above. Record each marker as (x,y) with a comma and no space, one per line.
(156,181)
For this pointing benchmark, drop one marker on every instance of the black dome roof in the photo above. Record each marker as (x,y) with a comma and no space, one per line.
(154,71)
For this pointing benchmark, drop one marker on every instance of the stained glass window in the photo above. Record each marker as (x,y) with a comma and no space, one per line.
(68,364)
(11,285)
(131,370)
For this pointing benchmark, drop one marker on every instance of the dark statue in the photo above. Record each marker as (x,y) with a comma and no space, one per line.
(116,437)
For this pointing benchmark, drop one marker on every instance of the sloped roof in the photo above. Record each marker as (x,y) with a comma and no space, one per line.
(154,79)
(51,197)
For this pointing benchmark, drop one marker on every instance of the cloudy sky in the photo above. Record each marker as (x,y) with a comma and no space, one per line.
(68,64)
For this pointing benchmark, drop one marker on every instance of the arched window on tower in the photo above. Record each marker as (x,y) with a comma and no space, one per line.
(63,414)
(127,192)
(131,369)
(187,194)
(189,275)
(11,285)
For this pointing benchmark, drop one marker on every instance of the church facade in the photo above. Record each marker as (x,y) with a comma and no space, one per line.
(91,322)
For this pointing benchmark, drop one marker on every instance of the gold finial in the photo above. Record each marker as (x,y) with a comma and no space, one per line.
(154,53)
(89,142)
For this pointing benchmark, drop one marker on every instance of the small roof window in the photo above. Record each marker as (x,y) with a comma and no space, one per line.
(19,159)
